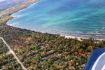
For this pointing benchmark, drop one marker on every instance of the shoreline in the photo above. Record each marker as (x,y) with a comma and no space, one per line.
(79,38)
(23,5)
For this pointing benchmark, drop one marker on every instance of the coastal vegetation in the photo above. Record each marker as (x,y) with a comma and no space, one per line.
(41,51)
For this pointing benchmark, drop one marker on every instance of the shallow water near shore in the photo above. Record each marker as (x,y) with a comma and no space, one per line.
(65,17)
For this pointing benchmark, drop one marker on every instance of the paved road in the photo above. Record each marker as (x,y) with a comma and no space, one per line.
(12,52)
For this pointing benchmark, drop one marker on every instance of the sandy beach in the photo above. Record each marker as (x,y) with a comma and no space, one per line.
(74,37)
(16,8)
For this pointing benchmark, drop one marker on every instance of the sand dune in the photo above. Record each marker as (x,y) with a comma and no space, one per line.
(16,8)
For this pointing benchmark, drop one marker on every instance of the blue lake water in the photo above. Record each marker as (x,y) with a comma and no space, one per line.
(64,17)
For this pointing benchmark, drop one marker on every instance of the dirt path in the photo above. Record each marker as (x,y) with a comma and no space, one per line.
(12,52)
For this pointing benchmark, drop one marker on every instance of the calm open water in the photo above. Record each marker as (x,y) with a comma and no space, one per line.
(66,17)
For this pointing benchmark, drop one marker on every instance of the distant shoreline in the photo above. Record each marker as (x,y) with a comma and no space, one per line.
(16,8)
